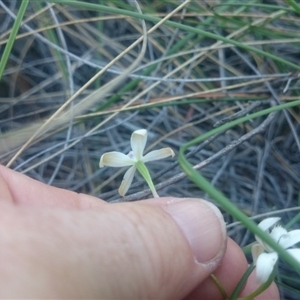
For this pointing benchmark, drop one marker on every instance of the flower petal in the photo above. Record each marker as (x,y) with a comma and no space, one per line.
(265,225)
(127,180)
(268,223)
(264,266)
(256,250)
(158,154)
(278,233)
(115,159)
(290,239)
(138,143)
(295,253)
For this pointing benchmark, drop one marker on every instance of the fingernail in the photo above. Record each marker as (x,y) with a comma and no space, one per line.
(202,225)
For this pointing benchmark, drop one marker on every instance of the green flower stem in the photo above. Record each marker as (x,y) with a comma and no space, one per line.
(239,287)
(224,202)
(146,175)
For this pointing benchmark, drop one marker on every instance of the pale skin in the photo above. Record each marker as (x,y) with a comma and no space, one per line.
(59,244)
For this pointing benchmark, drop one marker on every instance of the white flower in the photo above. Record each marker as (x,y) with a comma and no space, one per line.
(264,256)
(135,160)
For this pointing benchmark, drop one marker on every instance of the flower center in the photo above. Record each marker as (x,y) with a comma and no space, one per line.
(278,233)
(131,155)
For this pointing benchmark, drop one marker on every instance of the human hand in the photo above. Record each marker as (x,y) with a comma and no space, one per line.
(58,244)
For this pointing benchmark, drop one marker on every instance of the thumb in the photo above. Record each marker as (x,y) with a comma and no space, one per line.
(154,249)
(159,249)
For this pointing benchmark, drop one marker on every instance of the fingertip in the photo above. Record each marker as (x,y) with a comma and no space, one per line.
(202,224)
(167,236)
(204,228)
(228,274)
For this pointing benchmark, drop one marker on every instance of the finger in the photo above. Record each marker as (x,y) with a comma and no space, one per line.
(228,274)
(122,251)
(23,190)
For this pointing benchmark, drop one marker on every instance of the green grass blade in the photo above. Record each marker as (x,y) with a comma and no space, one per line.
(12,36)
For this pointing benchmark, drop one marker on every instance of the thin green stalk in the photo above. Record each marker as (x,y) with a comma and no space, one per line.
(146,175)
(294,220)
(225,203)
(239,287)
(12,36)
